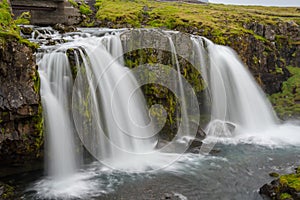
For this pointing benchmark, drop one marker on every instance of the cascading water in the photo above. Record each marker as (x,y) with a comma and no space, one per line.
(239,106)
(56,84)
(115,103)
(236,97)
(185,130)
(105,96)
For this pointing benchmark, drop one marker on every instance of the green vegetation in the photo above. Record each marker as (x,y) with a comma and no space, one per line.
(85,9)
(7,25)
(286,187)
(9,28)
(73,3)
(287,102)
(82,6)
(24,18)
(158,94)
(285,196)
(291,180)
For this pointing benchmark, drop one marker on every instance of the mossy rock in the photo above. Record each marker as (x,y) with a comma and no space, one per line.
(274,174)
(286,187)
(286,103)
(6,192)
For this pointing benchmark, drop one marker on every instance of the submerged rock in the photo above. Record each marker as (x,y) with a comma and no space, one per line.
(26,30)
(274,174)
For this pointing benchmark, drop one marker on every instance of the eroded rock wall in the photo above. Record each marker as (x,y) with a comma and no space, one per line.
(20,109)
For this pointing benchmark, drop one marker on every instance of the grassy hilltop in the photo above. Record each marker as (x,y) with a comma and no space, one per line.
(214,19)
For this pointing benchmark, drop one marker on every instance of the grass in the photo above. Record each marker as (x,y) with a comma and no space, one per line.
(8,26)
(284,196)
(216,20)
(85,9)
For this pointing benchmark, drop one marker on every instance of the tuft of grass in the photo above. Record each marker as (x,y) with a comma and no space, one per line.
(9,28)
(24,19)
(291,180)
(85,9)
(285,196)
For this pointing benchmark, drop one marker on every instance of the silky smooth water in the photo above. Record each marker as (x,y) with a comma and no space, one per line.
(241,111)
(56,83)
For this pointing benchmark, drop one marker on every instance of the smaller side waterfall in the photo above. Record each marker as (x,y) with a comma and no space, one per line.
(235,95)
(56,82)
(184,128)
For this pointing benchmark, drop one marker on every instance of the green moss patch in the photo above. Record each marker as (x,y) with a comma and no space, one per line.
(291,181)
(8,27)
(287,102)
(285,196)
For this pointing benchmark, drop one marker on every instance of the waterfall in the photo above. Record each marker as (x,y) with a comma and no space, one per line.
(236,97)
(108,109)
(184,128)
(56,84)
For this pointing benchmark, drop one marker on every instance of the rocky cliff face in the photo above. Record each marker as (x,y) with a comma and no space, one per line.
(268,54)
(20,111)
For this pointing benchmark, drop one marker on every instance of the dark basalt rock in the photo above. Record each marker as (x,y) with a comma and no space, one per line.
(61,28)
(20,111)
